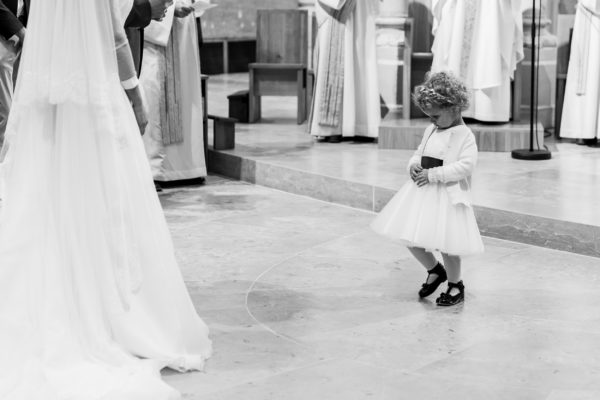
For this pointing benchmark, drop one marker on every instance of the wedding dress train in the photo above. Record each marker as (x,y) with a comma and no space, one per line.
(92,301)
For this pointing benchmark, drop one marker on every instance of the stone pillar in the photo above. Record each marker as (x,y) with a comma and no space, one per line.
(546,85)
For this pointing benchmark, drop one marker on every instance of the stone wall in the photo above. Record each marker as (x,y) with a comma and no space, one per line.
(236,19)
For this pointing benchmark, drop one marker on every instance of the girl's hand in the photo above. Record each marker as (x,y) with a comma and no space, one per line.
(414,170)
(422,178)
(139,107)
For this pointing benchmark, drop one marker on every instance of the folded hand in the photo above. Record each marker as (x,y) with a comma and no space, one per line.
(159,8)
(182,11)
(414,170)
(422,178)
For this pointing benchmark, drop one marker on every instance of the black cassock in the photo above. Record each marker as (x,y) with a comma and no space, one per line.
(9,23)
(139,18)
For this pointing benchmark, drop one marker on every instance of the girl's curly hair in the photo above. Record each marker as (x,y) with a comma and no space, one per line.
(442,90)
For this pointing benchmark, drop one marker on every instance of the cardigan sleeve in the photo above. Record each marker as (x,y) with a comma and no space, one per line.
(462,168)
(415,159)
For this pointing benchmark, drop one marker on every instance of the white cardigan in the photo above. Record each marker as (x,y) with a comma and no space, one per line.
(459,158)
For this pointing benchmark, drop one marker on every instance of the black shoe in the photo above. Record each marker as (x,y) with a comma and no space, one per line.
(157,187)
(587,142)
(335,139)
(446,299)
(428,288)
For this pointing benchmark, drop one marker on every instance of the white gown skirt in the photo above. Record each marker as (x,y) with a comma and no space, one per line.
(425,217)
(93,303)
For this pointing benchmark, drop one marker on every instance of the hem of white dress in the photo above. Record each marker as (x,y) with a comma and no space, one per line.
(408,243)
(328,134)
(575,135)
(181,175)
(189,363)
(359,130)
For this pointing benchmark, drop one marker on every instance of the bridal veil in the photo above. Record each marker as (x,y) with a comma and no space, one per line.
(93,301)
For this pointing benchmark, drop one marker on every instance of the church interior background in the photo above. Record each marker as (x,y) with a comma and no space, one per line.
(304,301)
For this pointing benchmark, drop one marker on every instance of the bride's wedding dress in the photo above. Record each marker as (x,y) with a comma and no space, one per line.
(92,303)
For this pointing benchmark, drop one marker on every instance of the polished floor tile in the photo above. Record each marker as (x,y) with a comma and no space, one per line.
(305,302)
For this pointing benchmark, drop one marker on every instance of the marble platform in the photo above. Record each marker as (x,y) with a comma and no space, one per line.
(398,133)
(304,302)
(551,203)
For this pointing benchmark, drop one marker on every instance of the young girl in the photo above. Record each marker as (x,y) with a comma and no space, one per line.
(432,212)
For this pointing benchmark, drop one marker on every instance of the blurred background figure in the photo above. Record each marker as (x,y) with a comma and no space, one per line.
(140,15)
(582,95)
(346,100)
(481,42)
(172,84)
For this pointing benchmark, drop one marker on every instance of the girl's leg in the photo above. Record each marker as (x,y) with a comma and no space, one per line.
(427,259)
(453,269)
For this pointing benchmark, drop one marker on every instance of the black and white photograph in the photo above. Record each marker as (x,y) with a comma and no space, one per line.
(299,199)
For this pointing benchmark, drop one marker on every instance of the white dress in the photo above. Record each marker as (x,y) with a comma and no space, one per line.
(361,113)
(481,41)
(93,302)
(183,159)
(581,110)
(425,216)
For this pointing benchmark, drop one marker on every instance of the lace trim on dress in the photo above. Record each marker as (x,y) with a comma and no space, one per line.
(77,88)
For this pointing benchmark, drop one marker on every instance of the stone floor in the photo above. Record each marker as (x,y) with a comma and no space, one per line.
(305,302)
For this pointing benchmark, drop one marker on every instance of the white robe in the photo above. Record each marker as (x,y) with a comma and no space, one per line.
(581,110)
(183,160)
(483,50)
(361,113)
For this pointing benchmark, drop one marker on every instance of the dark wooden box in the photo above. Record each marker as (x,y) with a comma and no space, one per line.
(238,106)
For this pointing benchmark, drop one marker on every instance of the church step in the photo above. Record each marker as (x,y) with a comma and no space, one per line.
(503,224)
(397,133)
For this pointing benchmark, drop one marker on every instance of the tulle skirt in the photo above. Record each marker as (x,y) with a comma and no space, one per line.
(425,217)
(93,303)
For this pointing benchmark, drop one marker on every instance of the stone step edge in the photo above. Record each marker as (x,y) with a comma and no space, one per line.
(502,224)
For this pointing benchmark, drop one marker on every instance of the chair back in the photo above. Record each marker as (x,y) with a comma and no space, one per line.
(282,36)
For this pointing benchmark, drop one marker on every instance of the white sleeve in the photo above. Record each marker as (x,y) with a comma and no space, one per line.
(127,72)
(416,157)
(461,168)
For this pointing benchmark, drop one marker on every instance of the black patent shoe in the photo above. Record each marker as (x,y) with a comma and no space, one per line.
(446,299)
(428,288)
